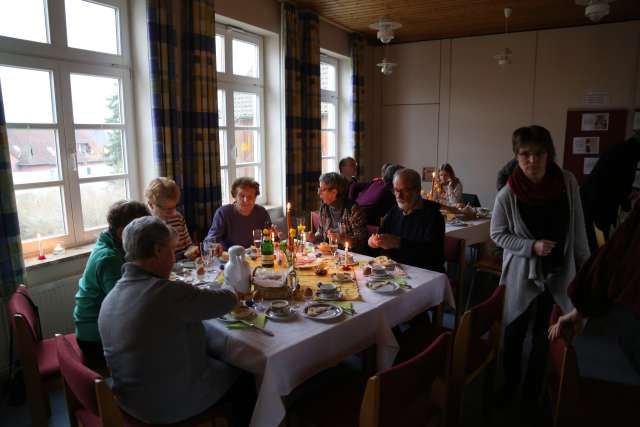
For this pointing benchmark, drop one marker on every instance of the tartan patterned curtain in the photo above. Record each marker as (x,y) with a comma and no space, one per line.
(184,105)
(301,37)
(357,80)
(11,263)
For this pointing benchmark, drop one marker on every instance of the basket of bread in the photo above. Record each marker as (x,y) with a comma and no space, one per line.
(271,284)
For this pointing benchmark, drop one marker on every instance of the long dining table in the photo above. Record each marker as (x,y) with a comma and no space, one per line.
(302,347)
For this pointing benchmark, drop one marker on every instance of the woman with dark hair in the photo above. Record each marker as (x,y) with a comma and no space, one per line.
(103,270)
(451,184)
(538,221)
(340,218)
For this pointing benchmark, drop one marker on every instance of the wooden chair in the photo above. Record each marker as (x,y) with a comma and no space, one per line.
(471,200)
(476,348)
(90,401)
(454,250)
(491,265)
(576,400)
(37,356)
(413,393)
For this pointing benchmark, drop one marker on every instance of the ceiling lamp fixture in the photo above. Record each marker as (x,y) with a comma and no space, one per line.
(385,27)
(386,67)
(595,10)
(504,56)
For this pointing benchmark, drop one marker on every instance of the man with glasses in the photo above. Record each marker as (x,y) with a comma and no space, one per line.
(413,231)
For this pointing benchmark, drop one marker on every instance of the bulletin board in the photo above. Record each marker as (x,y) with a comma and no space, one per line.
(589,134)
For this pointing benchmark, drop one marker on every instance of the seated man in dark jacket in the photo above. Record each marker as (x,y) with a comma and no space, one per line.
(413,231)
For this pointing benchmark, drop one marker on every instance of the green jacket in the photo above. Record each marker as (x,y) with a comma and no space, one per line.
(101,273)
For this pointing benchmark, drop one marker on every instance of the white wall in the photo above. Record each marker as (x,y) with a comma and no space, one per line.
(448,100)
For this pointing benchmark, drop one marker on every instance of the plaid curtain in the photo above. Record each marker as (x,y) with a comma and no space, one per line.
(357,80)
(301,38)
(185,103)
(11,263)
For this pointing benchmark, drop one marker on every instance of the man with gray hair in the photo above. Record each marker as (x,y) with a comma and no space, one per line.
(413,231)
(152,332)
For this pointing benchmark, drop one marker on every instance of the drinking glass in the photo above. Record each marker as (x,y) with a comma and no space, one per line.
(301,226)
(258,300)
(257,239)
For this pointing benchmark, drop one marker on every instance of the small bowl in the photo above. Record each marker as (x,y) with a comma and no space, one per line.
(280,306)
(327,288)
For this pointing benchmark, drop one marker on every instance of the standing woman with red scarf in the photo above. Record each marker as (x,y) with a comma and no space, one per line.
(538,221)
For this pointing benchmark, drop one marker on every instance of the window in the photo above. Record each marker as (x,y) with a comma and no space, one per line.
(240,107)
(329,113)
(68,120)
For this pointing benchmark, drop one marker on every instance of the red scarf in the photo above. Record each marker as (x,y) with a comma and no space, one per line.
(550,188)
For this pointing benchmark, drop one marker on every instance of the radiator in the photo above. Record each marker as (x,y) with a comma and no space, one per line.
(55,301)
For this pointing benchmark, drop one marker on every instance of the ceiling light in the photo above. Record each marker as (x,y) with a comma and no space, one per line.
(385,27)
(595,10)
(504,56)
(386,67)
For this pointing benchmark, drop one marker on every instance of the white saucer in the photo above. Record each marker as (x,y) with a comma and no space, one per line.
(273,316)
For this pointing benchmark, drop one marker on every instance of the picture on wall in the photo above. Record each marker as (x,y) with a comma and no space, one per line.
(595,122)
(427,173)
(586,145)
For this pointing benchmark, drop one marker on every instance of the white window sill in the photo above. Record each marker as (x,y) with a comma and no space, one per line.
(33,263)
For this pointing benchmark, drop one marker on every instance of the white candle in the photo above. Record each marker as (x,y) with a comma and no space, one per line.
(346,253)
(39,245)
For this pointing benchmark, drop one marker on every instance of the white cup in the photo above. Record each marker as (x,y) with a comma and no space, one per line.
(280,306)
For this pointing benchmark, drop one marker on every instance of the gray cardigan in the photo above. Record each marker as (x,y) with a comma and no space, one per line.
(521,269)
(154,343)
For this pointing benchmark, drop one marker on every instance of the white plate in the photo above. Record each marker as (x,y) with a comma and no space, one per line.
(335,278)
(379,277)
(333,312)
(388,287)
(271,315)
(230,318)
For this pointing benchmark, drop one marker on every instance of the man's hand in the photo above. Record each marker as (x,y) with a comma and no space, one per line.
(543,247)
(388,241)
(374,241)
(217,249)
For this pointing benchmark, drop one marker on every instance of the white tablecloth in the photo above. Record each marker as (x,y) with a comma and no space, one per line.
(302,347)
(476,232)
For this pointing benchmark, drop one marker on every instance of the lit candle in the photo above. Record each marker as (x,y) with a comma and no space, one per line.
(346,253)
(290,245)
(40,250)
(433,183)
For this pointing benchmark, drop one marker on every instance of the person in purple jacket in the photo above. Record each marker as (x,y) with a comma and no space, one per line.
(233,224)
(376,198)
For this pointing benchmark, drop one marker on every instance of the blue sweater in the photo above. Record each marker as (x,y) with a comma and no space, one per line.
(229,227)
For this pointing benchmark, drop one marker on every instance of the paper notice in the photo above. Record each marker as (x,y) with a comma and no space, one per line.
(586,145)
(589,163)
(595,122)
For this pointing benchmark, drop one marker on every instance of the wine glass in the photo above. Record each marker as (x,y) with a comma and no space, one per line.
(258,300)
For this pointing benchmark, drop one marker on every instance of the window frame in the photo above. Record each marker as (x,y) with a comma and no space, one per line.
(332,97)
(231,83)
(62,61)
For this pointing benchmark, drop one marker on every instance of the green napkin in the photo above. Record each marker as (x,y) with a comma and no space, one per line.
(347,306)
(402,282)
(260,321)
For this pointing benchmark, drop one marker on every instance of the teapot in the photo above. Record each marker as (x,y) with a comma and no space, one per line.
(237,272)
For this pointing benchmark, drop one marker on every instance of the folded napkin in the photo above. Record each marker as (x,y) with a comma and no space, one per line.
(260,321)
(402,282)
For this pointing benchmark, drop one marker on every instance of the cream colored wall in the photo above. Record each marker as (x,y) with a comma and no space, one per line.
(487,103)
(334,39)
(572,62)
(475,105)
(263,14)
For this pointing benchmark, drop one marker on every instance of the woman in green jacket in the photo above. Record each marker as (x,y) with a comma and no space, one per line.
(100,275)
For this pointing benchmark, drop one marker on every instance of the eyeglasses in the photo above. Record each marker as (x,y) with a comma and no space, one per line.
(404,191)
(533,153)
(322,190)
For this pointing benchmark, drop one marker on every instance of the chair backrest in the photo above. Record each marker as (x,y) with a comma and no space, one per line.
(476,345)
(454,250)
(21,303)
(471,199)
(78,379)
(563,378)
(409,393)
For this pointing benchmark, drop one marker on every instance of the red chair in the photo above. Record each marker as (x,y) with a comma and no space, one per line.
(476,348)
(454,250)
(577,400)
(90,401)
(413,393)
(37,355)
